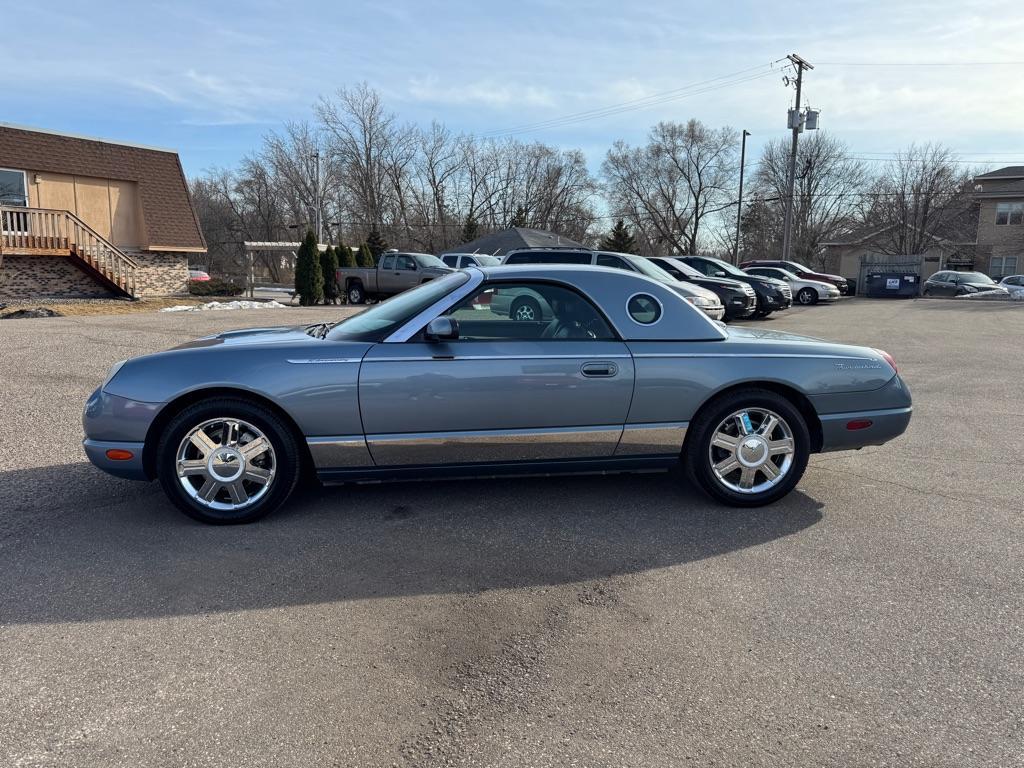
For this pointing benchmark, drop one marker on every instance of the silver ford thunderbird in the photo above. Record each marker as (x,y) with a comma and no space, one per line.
(619,374)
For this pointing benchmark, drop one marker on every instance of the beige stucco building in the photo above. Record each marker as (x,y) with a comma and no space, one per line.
(83,217)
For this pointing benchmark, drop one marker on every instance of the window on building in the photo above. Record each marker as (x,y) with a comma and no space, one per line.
(1000,266)
(1010,213)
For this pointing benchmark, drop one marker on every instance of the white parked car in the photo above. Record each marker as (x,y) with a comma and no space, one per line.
(804,291)
(1014,284)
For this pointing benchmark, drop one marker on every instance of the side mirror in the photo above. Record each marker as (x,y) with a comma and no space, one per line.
(442,329)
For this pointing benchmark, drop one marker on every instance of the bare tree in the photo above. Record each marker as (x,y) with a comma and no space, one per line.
(919,196)
(827,194)
(674,186)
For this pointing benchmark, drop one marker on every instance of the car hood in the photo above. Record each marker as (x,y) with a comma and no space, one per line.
(692,289)
(767,281)
(986,286)
(247,336)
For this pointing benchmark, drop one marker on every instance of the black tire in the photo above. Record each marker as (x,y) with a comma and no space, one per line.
(761,314)
(696,457)
(288,463)
(355,293)
(807,296)
(525,309)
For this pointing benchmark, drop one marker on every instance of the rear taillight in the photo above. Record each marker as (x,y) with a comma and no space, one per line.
(889,359)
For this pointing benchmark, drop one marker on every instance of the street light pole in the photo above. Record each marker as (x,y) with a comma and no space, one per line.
(795,124)
(316,197)
(739,203)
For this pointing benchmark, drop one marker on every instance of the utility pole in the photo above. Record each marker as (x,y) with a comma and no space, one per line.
(796,123)
(316,197)
(739,203)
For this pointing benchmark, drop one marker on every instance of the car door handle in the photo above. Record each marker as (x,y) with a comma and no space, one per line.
(599,370)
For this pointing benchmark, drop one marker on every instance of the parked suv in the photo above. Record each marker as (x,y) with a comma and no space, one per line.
(772,295)
(738,298)
(802,272)
(702,298)
(461,260)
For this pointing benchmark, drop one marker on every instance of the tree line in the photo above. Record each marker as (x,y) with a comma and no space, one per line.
(378,180)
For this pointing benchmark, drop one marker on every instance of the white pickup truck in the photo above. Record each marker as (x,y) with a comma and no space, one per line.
(395,272)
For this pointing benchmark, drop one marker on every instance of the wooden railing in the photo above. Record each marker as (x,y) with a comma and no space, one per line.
(53,232)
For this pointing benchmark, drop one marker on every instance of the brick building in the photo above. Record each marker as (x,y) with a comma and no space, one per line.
(82,217)
(1000,195)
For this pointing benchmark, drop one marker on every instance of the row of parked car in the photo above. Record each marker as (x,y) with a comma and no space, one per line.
(721,290)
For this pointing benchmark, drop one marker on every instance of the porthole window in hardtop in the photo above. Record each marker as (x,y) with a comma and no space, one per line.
(644,309)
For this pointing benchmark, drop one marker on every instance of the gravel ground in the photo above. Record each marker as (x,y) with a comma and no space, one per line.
(873,618)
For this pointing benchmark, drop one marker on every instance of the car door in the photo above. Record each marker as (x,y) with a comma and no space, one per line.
(406,272)
(505,391)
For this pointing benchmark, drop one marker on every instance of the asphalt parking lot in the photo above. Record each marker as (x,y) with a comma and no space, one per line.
(873,618)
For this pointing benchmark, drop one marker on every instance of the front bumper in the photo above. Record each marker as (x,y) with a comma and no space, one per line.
(130,469)
(740,305)
(111,422)
(715,313)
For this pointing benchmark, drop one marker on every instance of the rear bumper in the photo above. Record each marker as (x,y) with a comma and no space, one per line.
(130,469)
(883,426)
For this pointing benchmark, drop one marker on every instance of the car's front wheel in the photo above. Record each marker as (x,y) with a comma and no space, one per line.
(227,460)
(525,309)
(807,296)
(748,448)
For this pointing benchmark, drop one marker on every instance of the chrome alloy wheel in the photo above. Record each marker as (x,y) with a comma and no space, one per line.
(752,450)
(525,312)
(226,464)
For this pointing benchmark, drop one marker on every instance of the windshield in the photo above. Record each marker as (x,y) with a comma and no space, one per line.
(778,273)
(651,269)
(377,322)
(685,268)
(729,269)
(426,260)
(487,261)
(974,277)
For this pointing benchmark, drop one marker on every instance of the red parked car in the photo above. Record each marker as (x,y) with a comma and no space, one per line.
(802,272)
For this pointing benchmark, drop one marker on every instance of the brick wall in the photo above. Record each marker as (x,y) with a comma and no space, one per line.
(23,277)
(160,274)
(53,277)
(993,240)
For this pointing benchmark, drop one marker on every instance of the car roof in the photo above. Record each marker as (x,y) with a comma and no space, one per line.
(611,288)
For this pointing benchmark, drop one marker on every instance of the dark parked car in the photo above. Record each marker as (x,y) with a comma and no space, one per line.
(949,283)
(737,297)
(804,273)
(772,295)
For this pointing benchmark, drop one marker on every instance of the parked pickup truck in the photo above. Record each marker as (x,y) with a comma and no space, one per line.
(394,273)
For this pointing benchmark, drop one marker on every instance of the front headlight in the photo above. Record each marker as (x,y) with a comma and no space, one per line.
(970,289)
(113,372)
(700,301)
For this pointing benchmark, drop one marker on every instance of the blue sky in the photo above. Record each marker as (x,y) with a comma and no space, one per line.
(210,78)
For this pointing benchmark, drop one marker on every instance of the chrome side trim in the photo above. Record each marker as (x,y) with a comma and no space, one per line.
(655,438)
(740,354)
(411,327)
(494,445)
(497,357)
(339,451)
(311,361)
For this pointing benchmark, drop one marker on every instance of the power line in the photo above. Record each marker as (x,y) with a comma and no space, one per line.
(693,89)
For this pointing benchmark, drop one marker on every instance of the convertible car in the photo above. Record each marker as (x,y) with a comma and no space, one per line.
(624,375)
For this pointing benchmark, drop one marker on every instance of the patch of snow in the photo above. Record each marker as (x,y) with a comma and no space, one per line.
(220,305)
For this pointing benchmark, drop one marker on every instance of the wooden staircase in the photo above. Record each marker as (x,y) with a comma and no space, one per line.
(51,232)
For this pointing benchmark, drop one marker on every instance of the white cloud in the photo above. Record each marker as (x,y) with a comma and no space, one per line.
(486,92)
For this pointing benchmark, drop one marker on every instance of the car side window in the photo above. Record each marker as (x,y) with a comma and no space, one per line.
(405,262)
(469,261)
(450,261)
(529,311)
(605,260)
(388,262)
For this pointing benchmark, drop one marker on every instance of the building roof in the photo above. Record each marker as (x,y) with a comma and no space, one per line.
(500,243)
(169,219)
(1009,172)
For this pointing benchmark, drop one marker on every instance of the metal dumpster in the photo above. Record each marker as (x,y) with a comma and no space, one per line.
(892,285)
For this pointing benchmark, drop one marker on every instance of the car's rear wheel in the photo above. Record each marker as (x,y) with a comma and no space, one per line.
(807,296)
(748,448)
(226,460)
(356,294)
(525,309)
